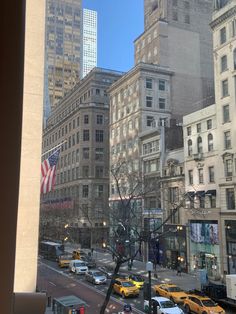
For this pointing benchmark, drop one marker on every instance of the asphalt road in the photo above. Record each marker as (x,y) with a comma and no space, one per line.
(58,282)
(61,283)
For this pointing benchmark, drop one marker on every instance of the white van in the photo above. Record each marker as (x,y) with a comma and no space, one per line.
(78,267)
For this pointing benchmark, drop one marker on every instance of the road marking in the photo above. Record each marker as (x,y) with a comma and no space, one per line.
(52,283)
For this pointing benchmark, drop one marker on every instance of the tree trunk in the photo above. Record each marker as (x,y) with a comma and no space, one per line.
(109,290)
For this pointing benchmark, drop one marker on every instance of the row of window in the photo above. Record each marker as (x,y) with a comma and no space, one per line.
(199,127)
(121,113)
(153,122)
(130,144)
(227,32)
(162,85)
(210,146)
(72,125)
(123,129)
(78,173)
(161,102)
(211,176)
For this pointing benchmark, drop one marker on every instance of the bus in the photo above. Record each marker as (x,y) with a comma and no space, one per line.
(51,250)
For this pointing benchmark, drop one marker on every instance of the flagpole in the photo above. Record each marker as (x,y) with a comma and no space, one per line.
(53,148)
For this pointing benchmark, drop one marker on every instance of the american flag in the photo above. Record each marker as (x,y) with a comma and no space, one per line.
(48,172)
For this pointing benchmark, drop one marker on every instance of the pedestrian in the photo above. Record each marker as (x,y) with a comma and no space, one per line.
(92,249)
(179,270)
(113,256)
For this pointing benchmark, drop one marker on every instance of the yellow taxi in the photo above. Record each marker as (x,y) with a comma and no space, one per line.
(137,280)
(125,288)
(173,292)
(64,260)
(201,305)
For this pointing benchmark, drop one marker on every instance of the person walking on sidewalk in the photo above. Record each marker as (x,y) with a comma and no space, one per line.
(179,270)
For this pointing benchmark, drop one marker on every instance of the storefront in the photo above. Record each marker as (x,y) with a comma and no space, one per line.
(230,229)
(173,240)
(204,247)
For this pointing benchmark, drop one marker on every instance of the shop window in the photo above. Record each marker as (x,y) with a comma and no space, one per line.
(230,198)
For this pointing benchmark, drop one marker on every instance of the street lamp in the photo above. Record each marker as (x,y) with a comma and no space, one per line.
(149,269)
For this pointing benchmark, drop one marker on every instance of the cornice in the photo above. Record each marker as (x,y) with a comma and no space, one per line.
(219,20)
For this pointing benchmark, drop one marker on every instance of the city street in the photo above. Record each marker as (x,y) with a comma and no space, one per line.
(59,282)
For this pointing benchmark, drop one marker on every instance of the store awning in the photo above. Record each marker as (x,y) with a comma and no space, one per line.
(211,193)
(200,193)
(191,194)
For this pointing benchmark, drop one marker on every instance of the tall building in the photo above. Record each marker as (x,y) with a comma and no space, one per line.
(80,198)
(177,34)
(89,41)
(63,48)
(209,135)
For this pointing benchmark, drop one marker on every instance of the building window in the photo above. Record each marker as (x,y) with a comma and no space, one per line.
(99,154)
(199,128)
(225,88)
(86,153)
(211,172)
(199,144)
(149,83)
(210,142)
(85,135)
(173,194)
(150,120)
(99,171)
(99,119)
(97,91)
(190,147)
(77,137)
(77,121)
(227,140)
(162,85)
(223,35)
(186,5)
(86,119)
(200,176)
(85,171)
(224,65)
(233,28)
(230,198)
(187,19)
(209,124)
(77,155)
(162,103)
(189,130)
(228,168)
(85,191)
(99,135)
(148,101)
(226,113)
(190,177)
(99,191)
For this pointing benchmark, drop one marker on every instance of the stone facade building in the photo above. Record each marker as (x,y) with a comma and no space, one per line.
(177,35)
(80,123)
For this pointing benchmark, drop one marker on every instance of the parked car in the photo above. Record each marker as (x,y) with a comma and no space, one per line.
(78,267)
(96,277)
(170,291)
(64,260)
(125,288)
(107,270)
(137,280)
(91,263)
(161,305)
(202,305)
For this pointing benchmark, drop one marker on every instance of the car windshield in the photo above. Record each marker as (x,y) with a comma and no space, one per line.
(137,278)
(167,304)
(98,273)
(208,303)
(127,284)
(80,264)
(174,289)
(65,256)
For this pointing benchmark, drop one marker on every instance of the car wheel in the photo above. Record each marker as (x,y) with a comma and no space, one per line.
(187,309)
(123,295)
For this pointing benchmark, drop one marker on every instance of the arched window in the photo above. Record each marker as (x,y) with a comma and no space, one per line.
(199,144)
(210,142)
(190,147)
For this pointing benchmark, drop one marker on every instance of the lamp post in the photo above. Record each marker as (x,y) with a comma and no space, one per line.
(149,269)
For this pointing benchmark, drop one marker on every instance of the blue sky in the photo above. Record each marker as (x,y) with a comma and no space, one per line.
(120,22)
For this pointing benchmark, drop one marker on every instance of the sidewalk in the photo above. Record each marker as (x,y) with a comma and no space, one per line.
(164,275)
